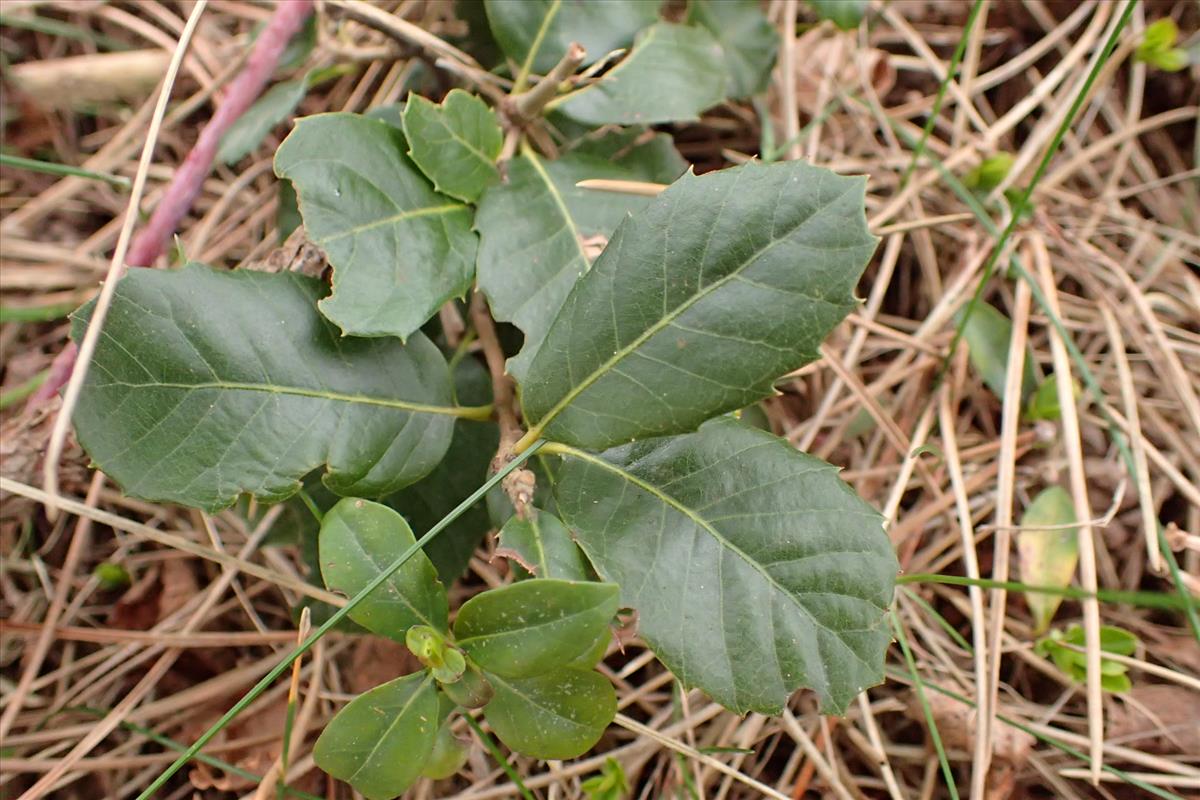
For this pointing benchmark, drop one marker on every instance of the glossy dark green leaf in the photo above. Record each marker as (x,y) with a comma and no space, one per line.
(536,33)
(528,628)
(208,383)
(987,334)
(543,546)
(533,228)
(673,73)
(747,37)
(360,539)
(248,131)
(558,714)
(399,249)
(455,144)
(699,302)
(379,742)
(733,532)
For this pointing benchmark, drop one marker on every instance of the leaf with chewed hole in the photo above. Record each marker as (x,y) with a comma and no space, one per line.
(399,249)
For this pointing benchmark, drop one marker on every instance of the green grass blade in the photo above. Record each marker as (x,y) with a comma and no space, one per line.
(1161,600)
(51,168)
(333,620)
(919,685)
(1023,199)
(951,68)
(499,758)
(1050,740)
(18,393)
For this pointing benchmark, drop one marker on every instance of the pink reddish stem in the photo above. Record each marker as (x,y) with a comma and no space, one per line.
(149,243)
(287,20)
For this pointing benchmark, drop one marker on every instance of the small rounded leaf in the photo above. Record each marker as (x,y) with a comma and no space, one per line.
(559,714)
(358,540)
(471,690)
(381,740)
(530,627)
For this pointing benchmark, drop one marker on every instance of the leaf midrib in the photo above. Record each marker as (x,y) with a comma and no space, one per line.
(298,391)
(658,326)
(412,698)
(704,524)
(503,634)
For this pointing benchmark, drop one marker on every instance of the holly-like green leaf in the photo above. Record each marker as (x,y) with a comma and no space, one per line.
(543,546)
(672,74)
(360,539)
(532,228)
(531,627)
(248,131)
(558,714)
(1047,557)
(209,383)
(987,334)
(455,144)
(722,284)
(731,531)
(399,249)
(380,741)
(536,33)
(747,37)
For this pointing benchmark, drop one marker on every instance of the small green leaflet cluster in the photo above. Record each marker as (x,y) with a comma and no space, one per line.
(1068,652)
(524,653)
(753,568)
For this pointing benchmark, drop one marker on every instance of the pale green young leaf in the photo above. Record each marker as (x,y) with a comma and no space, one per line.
(747,37)
(845,14)
(673,73)
(733,532)
(1047,557)
(358,540)
(248,130)
(536,33)
(533,227)
(455,144)
(722,284)
(209,383)
(987,334)
(543,546)
(399,249)
(380,741)
(530,627)
(558,714)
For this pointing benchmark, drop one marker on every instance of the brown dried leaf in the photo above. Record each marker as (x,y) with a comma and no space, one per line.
(376,660)
(956,725)
(1159,718)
